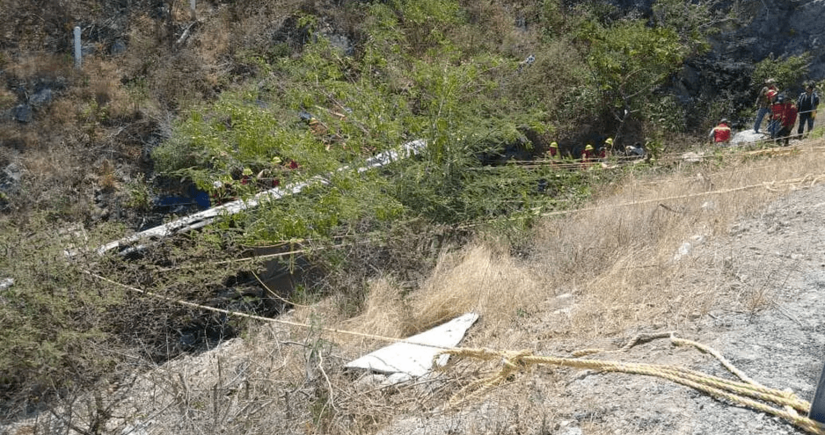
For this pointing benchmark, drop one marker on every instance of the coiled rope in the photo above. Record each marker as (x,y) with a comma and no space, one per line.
(747,392)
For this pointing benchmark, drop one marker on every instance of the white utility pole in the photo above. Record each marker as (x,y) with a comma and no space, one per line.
(77,50)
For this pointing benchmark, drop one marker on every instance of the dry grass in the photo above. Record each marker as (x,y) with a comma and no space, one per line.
(38,64)
(616,261)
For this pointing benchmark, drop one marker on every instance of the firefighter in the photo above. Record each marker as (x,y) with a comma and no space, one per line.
(777,108)
(720,134)
(246,176)
(553,152)
(608,145)
(764,101)
(587,155)
(787,122)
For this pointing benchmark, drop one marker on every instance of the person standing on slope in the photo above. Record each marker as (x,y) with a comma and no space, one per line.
(764,101)
(777,109)
(807,103)
(720,135)
(787,122)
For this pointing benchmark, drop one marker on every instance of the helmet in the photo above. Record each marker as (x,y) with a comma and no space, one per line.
(247,171)
(770,81)
(724,121)
(609,141)
(554,145)
(588,147)
(780,98)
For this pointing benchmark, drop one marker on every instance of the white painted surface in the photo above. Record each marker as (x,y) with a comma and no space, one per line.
(206,217)
(78,53)
(414,356)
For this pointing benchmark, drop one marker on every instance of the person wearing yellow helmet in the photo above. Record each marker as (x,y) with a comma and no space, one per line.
(587,155)
(607,148)
(553,152)
(246,176)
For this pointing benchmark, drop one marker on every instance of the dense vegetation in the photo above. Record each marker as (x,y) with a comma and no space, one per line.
(309,88)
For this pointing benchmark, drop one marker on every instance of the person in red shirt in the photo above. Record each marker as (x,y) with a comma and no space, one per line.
(720,135)
(789,112)
(777,108)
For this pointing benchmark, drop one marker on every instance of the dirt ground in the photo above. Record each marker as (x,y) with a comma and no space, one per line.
(769,275)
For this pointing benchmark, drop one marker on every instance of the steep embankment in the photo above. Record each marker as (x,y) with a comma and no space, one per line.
(731,258)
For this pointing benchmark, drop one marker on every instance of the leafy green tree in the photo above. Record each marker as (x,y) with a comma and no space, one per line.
(629,60)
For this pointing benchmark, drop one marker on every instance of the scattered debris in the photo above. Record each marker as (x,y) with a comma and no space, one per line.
(414,356)
(747,136)
(6,283)
(206,217)
(692,157)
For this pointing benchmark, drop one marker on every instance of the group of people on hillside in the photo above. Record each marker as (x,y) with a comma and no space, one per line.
(590,153)
(782,111)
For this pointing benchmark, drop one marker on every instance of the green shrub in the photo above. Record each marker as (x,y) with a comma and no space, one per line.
(788,72)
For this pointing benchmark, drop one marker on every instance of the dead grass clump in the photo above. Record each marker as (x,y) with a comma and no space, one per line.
(7,99)
(106,175)
(40,65)
(62,112)
(478,279)
(20,139)
(385,312)
(105,88)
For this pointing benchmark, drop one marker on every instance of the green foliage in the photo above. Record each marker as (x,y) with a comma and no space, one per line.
(629,60)
(418,76)
(788,72)
(53,311)
(692,21)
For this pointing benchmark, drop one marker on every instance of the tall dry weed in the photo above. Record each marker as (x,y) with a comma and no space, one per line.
(479,279)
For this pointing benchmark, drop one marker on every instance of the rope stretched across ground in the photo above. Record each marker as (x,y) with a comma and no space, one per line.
(746,392)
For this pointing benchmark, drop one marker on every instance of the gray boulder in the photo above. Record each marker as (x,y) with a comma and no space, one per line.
(22,113)
(118,47)
(41,98)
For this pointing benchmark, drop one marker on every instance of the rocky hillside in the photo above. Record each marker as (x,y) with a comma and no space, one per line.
(171,110)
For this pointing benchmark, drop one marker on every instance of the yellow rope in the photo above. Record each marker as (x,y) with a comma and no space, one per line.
(747,393)
(742,393)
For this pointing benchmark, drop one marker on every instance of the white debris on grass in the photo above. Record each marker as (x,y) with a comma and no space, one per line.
(747,136)
(6,283)
(687,247)
(413,357)
(692,157)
